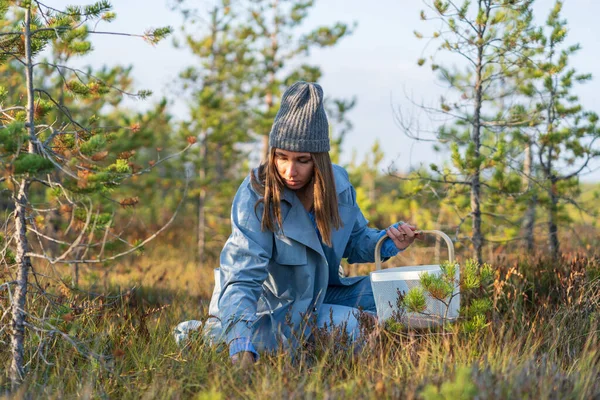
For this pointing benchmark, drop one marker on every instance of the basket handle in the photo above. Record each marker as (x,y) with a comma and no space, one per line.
(434,232)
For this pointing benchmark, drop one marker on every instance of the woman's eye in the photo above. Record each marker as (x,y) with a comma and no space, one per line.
(305,161)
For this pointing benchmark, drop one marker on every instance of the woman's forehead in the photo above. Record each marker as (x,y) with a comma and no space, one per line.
(291,154)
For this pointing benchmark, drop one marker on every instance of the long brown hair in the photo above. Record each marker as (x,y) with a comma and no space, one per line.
(270,185)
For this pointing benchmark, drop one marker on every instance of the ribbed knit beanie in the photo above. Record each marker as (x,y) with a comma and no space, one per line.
(301,124)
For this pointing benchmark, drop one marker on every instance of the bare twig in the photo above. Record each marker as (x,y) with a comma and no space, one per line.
(77,240)
(129,251)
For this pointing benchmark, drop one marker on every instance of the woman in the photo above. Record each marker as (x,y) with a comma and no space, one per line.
(293,220)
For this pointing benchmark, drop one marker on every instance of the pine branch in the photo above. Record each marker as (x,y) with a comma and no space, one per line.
(77,71)
(102,6)
(51,157)
(63,109)
(585,164)
(475,29)
(421,178)
(10,34)
(50,138)
(68,115)
(575,204)
(500,217)
(152,36)
(43,182)
(504,124)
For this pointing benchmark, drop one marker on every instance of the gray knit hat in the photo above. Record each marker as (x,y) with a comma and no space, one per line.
(301,124)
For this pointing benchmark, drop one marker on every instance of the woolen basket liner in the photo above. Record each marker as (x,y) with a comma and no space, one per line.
(387,283)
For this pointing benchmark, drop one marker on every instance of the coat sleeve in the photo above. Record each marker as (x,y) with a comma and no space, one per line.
(362,241)
(244,261)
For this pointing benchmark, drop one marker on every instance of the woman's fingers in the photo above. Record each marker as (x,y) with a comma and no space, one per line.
(418,233)
(394,234)
(402,236)
(407,230)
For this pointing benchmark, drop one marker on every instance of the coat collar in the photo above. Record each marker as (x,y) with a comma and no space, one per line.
(298,226)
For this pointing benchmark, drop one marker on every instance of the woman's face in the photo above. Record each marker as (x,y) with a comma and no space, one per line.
(295,169)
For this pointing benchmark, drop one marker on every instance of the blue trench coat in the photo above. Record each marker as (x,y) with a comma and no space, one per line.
(266,277)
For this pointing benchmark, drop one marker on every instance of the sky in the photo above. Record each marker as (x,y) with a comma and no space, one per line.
(377,64)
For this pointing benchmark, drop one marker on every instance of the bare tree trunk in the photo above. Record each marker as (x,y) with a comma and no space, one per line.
(21,202)
(18,306)
(438,240)
(371,187)
(272,67)
(265,145)
(529,218)
(549,175)
(201,225)
(269,101)
(52,227)
(529,224)
(221,173)
(552,220)
(105,279)
(202,202)
(477,237)
(75,274)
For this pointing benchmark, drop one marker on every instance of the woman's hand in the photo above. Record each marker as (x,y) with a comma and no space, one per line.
(403,236)
(244,359)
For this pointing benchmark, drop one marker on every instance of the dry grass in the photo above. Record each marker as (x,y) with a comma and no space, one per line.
(541,342)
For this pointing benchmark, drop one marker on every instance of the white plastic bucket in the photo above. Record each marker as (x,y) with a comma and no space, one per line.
(387,283)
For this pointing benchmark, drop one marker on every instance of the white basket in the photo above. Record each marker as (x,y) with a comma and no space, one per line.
(389,282)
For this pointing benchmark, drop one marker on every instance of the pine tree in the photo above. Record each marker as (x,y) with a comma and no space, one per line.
(274,25)
(33,148)
(226,95)
(489,36)
(218,94)
(566,137)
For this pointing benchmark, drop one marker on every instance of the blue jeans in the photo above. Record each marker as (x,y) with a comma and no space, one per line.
(341,305)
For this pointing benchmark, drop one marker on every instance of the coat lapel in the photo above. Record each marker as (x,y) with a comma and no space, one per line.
(298,226)
(340,237)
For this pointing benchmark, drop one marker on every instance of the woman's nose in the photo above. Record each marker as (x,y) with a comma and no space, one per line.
(292,170)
